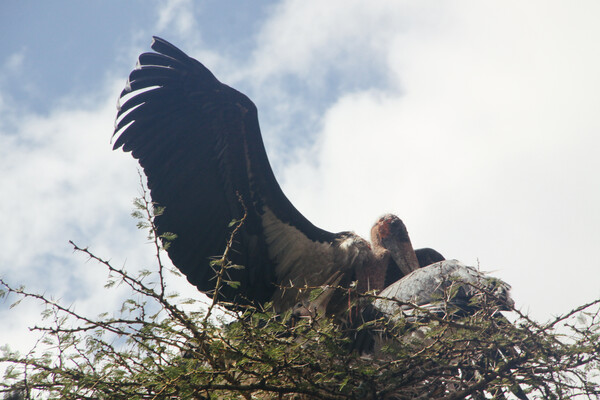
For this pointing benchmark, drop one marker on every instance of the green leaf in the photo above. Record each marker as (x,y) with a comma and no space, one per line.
(157,210)
(138,214)
(168,236)
(16,303)
(215,263)
(233,284)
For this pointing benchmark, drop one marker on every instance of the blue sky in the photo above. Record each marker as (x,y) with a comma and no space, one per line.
(475,122)
(68,44)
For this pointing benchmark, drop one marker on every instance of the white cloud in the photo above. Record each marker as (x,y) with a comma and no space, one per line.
(61,181)
(177,15)
(14,62)
(310,39)
(178,23)
(483,141)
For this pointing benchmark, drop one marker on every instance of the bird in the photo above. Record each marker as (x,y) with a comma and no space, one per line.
(199,143)
(200,147)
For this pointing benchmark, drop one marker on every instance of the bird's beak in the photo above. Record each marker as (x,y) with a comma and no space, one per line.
(404,256)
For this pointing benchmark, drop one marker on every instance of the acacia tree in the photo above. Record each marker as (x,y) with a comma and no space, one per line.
(151,348)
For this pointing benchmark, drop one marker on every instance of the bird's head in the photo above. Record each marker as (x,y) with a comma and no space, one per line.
(390,233)
(387,230)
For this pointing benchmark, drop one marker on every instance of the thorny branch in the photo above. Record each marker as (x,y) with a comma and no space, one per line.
(167,354)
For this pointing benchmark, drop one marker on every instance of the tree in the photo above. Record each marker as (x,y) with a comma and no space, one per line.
(153,349)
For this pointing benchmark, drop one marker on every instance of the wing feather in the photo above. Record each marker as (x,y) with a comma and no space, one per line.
(199,144)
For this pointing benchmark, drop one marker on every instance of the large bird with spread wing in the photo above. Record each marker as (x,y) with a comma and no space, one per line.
(199,143)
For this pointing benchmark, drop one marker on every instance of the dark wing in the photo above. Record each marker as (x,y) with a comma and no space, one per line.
(199,144)
(428,256)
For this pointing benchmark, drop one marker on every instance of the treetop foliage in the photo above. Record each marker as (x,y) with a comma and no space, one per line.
(153,348)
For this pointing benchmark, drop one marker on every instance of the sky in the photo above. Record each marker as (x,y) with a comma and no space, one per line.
(477,122)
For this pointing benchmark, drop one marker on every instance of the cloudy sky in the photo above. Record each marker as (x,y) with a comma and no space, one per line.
(476,122)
